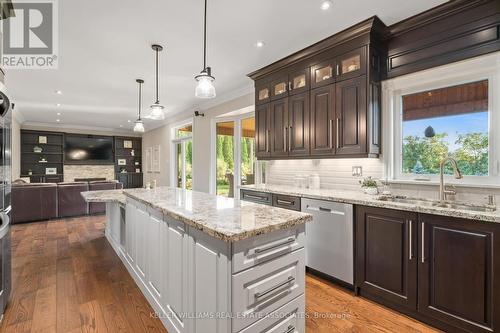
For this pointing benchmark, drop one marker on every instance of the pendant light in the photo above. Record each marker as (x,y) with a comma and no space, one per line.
(205,87)
(139,125)
(157,108)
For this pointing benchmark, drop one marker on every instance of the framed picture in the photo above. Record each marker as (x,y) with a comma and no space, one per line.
(156,159)
(149,159)
(42,139)
(50,171)
(127,143)
(122,161)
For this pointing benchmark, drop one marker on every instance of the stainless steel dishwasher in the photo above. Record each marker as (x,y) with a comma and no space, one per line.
(330,239)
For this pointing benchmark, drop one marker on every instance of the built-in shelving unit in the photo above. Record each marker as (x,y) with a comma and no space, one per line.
(128,161)
(41,152)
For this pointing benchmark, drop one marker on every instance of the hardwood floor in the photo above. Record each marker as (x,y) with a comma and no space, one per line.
(67,278)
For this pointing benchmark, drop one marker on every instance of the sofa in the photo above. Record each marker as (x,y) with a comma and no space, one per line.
(45,201)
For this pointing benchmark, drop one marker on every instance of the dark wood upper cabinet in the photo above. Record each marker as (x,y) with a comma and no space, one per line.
(262,130)
(300,81)
(350,116)
(386,255)
(459,272)
(351,64)
(279,87)
(279,127)
(343,89)
(323,74)
(298,124)
(322,121)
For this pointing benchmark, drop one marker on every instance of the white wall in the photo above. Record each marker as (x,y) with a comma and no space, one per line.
(201,142)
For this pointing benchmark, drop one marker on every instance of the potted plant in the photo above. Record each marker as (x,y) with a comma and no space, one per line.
(369,185)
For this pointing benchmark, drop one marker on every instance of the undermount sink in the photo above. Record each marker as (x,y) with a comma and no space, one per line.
(438,204)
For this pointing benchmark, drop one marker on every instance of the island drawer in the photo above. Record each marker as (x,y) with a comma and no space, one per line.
(262,289)
(286,201)
(256,250)
(257,197)
(287,319)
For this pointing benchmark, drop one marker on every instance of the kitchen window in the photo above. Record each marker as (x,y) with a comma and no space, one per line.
(443,113)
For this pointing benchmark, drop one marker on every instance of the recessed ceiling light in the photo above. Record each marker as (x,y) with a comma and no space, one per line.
(259,44)
(121,125)
(58,104)
(129,121)
(326,4)
(58,92)
(58,120)
(59,113)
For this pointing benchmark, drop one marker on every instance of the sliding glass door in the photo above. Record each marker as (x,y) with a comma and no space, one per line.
(234,154)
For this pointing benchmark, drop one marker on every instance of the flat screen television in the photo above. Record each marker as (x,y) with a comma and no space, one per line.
(85,149)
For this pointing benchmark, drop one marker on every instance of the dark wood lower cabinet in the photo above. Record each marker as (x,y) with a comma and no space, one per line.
(130,180)
(386,265)
(441,270)
(459,272)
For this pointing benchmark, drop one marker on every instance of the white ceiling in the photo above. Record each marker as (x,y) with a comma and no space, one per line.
(105,45)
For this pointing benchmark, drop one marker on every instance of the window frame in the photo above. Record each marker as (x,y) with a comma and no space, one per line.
(478,69)
(174,141)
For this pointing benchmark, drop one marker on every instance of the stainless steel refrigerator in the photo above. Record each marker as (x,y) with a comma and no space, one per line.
(5,202)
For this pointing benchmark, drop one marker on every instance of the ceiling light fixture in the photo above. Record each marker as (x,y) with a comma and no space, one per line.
(205,87)
(58,104)
(58,120)
(139,125)
(59,113)
(157,108)
(58,92)
(326,4)
(260,44)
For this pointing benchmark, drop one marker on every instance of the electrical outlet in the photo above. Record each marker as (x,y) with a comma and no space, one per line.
(357,171)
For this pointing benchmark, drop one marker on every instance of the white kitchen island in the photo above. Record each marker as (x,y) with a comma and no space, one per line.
(210,264)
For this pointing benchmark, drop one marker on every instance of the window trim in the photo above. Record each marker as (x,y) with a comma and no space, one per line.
(477,69)
(173,149)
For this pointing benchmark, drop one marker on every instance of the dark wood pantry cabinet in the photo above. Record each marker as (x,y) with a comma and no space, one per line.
(323,101)
(442,270)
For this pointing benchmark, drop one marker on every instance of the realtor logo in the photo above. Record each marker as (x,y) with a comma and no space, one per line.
(30,37)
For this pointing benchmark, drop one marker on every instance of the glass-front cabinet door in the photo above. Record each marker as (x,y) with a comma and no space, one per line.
(323,74)
(351,64)
(279,87)
(263,94)
(299,81)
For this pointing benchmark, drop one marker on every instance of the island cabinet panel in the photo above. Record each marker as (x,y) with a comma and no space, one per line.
(263,128)
(322,121)
(141,260)
(351,121)
(195,281)
(386,264)
(459,272)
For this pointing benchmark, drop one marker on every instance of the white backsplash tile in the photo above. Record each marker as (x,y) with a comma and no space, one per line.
(337,174)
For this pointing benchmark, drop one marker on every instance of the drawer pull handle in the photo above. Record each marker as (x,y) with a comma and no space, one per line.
(325,210)
(264,249)
(270,290)
(285,202)
(290,329)
(255,197)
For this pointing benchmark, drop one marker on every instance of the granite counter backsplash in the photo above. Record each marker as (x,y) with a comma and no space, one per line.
(360,198)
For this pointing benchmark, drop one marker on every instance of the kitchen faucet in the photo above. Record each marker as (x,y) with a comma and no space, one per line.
(458,175)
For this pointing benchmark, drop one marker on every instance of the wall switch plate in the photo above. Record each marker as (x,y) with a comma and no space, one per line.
(357,171)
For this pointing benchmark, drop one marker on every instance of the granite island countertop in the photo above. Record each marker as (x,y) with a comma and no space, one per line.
(360,198)
(105,196)
(223,218)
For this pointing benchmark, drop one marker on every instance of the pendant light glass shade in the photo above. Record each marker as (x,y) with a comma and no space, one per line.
(157,109)
(139,125)
(157,112)
(205,81)
(205,87)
